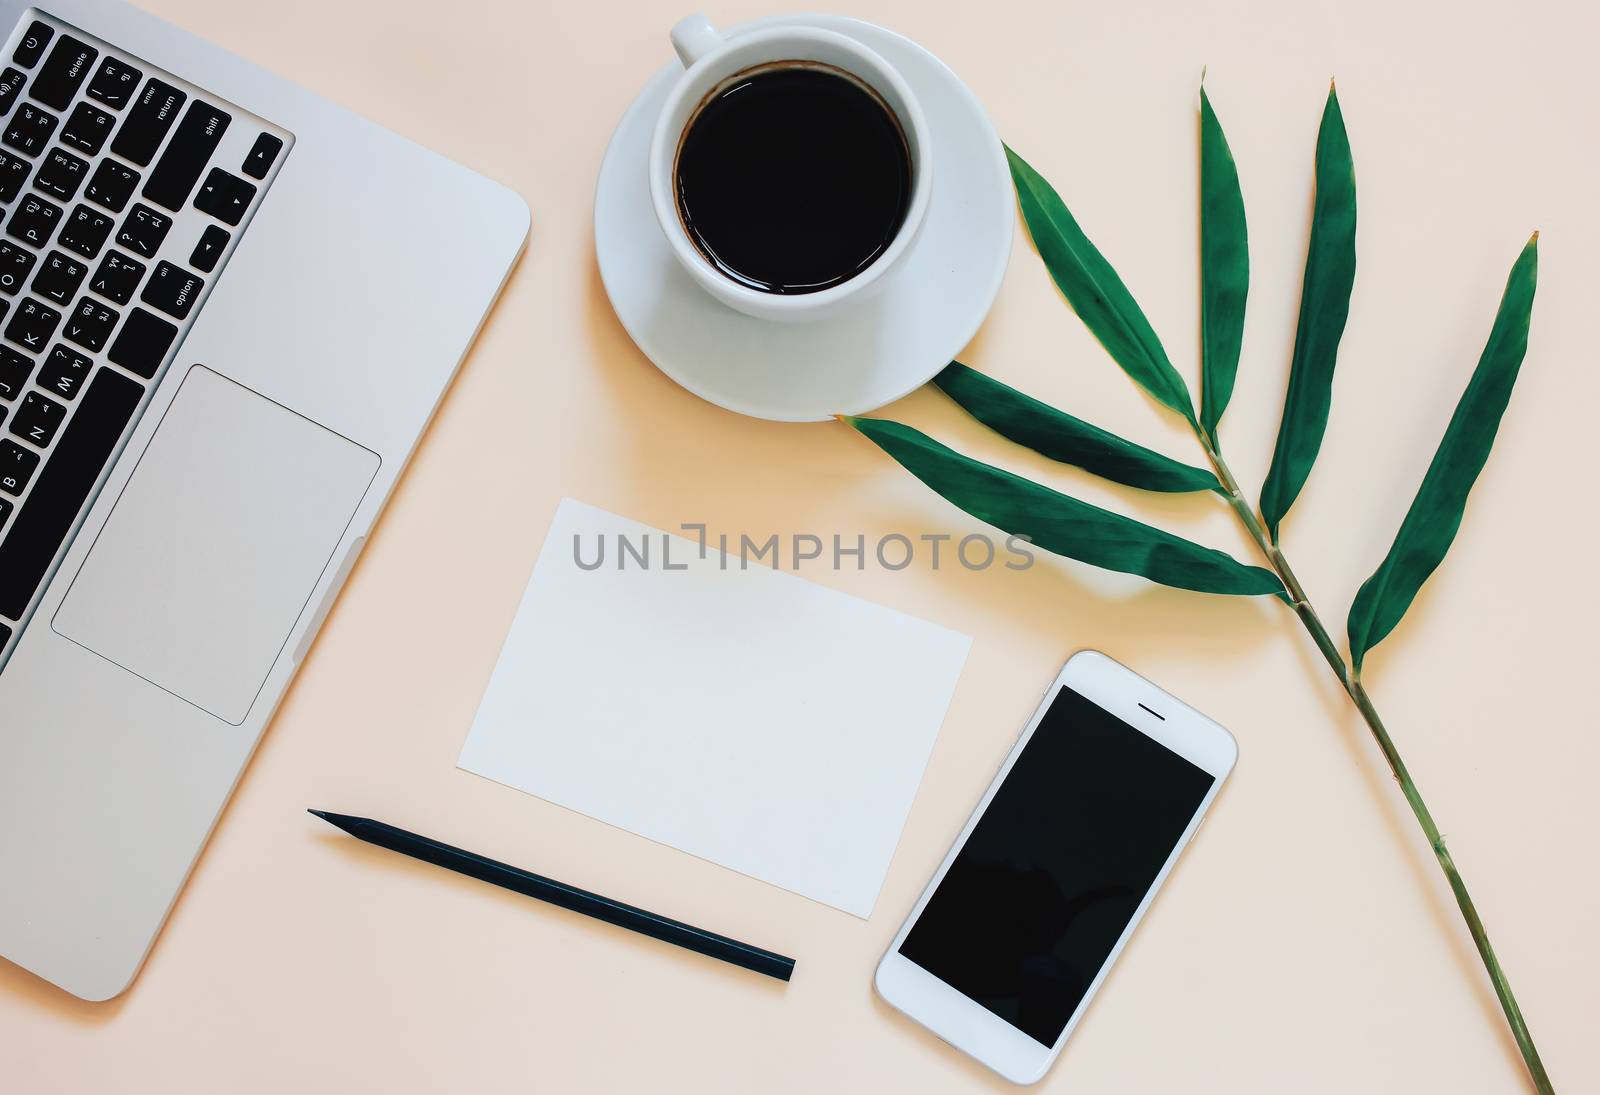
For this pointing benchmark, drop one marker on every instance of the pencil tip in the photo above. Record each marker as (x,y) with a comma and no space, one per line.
(323,814)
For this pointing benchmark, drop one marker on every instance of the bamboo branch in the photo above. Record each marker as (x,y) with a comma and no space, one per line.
(1352,685)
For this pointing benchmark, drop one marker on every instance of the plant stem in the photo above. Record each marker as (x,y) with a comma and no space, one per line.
(1351,683)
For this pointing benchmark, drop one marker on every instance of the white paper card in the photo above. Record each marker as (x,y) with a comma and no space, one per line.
(740,714)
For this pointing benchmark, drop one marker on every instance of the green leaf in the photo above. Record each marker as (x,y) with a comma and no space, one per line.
(1324,306)
(1435,515)
(1224,270)
(1060,436)
(1093,289)
(1064,525)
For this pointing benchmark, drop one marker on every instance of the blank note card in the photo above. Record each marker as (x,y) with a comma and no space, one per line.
(746,716)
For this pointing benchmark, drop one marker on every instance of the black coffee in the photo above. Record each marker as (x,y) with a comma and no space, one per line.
(793,178)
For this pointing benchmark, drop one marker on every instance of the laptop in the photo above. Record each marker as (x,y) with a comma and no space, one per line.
(227,311)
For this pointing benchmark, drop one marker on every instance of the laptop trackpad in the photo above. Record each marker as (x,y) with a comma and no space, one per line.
(216,543)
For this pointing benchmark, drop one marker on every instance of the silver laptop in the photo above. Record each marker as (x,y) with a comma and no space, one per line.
(227,311)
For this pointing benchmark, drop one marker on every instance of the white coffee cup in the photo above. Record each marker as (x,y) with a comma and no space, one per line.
(710,60)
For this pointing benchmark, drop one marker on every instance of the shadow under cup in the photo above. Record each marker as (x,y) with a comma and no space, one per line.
(792,177)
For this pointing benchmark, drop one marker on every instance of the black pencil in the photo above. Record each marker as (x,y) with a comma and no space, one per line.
(559,893)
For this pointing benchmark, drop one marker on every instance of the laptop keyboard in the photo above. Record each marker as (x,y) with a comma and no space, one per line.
(123,192)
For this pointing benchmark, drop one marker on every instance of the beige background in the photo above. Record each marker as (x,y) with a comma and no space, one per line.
(1305,944)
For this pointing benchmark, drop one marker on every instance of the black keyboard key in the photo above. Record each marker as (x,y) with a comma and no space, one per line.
(111,185)
(64,372)
(205,254)
(144,230)
(69,62)
(143,342)
(5,512)
(114,84)
(34,221)
(152,115)
(30,129)
(61,173)
(59,277)
(38,419)
(33,325)
(224,196)
(117,277)
(172,289)
(31,48)
(87,128)
(186,155)
(15,263)
(17,464)
(11,81)
(262,153)
(85,231)
(14,370)
(90,324)
(13,173)
(65,484)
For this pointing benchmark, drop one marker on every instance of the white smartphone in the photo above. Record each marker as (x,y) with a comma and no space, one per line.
(1056,866)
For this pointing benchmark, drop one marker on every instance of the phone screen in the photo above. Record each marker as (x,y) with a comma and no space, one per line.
(1056,867)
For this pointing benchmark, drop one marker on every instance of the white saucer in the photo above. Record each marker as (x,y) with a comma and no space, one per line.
(881,348)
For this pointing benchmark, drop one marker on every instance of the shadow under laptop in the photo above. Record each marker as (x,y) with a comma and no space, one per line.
(41,994)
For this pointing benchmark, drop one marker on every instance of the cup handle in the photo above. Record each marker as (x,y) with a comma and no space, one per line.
(693,37)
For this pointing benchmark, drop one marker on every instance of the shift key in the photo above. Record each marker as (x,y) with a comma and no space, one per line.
(186,155)
(65,484)
(147,122)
